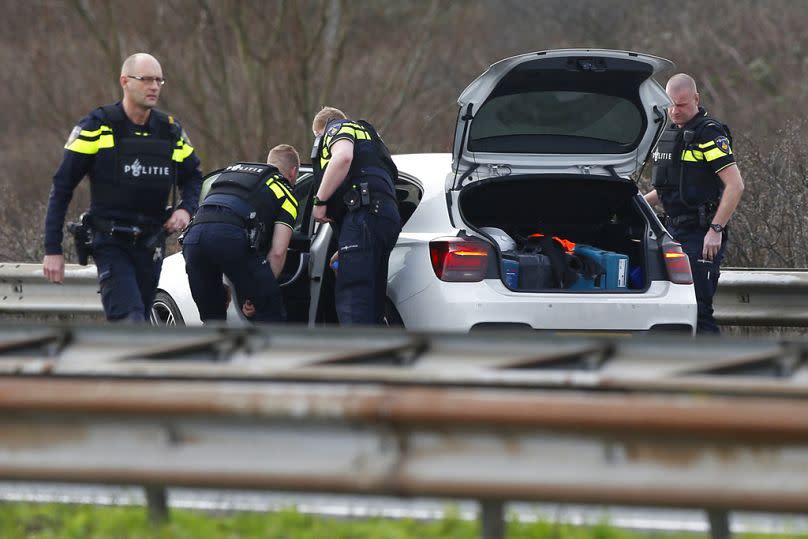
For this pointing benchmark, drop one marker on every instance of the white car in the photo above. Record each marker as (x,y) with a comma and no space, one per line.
(547,143)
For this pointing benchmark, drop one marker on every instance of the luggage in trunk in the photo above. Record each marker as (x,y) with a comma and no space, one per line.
(599,214)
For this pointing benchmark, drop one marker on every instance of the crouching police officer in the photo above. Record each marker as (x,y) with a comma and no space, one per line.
(242,230)
(135,156)
(357,193)
(696,179)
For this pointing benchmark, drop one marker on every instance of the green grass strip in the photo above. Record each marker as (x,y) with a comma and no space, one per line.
(58,521)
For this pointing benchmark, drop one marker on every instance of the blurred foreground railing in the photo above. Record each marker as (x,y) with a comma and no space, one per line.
(746,297)
(719,424)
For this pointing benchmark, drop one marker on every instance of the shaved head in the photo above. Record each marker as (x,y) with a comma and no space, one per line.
(137,61)
(681,88)
(681,82)
(141,80)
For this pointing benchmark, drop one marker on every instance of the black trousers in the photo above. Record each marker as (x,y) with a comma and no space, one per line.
(215,249)
(365,242)
(705,274)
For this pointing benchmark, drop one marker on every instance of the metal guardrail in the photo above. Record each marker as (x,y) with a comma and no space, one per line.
(710,423)
(758,297)
(745,297)
(23,288)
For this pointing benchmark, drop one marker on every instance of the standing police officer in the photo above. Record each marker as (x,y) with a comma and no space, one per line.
(135,156)
(242,230)
(357,193)
(696,179)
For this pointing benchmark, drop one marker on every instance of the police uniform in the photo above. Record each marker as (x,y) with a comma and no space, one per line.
(366,212)
(133,170)
(687,161)
(231,234)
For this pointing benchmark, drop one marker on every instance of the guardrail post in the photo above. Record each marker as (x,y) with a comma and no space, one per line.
(157,504)
(719,524)
(492,519)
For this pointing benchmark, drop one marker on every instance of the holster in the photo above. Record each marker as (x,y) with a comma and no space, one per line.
(360,197)
(706,214)
(83,236)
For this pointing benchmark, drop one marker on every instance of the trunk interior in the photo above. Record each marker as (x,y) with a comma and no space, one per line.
(591,211)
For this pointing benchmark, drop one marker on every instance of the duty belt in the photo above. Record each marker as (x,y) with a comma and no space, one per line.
(123,228)
(687,219)
(218,214)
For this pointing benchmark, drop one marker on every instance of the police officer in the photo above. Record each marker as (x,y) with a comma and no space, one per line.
(242,230)
(357,193)
(136,157)
(696,179)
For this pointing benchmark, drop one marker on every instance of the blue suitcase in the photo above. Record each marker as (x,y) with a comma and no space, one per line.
(615,267)
(510,270)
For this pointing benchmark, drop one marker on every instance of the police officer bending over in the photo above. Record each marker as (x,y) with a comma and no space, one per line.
(135,156)
(696,179)
(357,193)
(242,230)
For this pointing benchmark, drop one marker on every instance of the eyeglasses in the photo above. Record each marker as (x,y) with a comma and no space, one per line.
(148,80)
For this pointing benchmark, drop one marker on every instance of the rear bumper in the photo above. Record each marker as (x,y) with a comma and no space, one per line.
(462,306)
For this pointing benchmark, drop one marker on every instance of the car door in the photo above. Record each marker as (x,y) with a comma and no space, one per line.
(294,279)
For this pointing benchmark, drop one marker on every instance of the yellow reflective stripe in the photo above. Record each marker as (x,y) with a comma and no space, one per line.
(89,142)
(355,130)
(290,208)
(288,193)
(275,189)
(106,141)
(89,147)
(281,192)
(347,129)
(360,133)
(181,151)
(716,153)
(692,155)
(706,145)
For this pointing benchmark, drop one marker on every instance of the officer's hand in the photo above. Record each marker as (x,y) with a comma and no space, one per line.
(53,266)
(248,309)
(178,220)
(712,243)
(319,214)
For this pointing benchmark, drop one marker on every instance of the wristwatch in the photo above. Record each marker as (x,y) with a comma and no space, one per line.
(718,228)
(317,202)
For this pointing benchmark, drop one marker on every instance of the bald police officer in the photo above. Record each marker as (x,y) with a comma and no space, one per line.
(698,182)
(136,157)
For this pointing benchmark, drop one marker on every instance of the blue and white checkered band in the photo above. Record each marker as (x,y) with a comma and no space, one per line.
(723,144)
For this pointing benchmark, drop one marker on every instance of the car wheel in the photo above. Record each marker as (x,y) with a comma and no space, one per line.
(391,317)
(164,311)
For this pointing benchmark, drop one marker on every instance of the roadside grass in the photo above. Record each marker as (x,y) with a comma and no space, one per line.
(61,521)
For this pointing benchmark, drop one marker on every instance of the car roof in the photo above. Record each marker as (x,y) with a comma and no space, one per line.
(430,169)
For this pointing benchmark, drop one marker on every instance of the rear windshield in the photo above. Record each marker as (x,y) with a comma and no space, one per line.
(557,121)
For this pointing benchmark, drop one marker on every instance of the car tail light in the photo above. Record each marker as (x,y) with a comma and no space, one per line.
(460,259)
(677,263)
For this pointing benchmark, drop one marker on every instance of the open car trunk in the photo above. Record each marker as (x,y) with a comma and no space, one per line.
(600,215)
